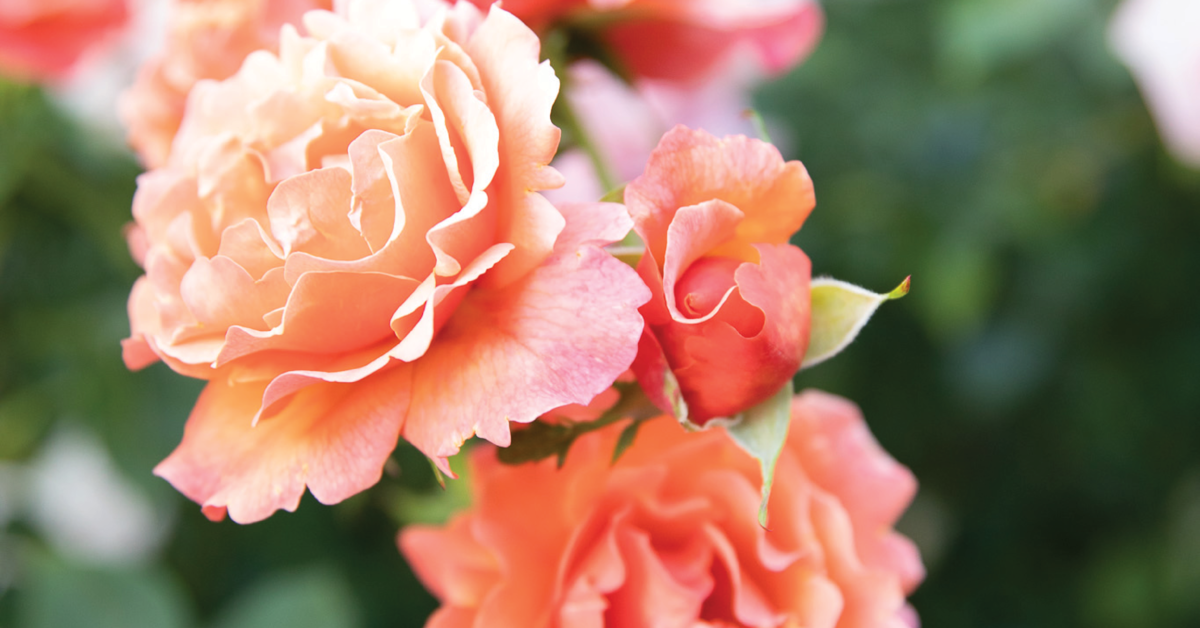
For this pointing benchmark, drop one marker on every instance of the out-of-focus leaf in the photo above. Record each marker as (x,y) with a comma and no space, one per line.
(839,312)
(762,431)
(435,507)
(24,416)
(979,35)
(57,595)
(312,599)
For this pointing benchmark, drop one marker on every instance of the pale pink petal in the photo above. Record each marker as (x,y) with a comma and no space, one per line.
(520,92)
(559,336)
(334,439)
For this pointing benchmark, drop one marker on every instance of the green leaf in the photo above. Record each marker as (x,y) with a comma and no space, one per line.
(311,599)
(58,595)
(625,440)
(839,312)
(762,431)
(543,439)
(615,195)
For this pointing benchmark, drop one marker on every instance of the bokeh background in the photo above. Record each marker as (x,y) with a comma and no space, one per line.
(1042,380)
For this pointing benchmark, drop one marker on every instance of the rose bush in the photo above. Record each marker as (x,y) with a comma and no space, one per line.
(730,312)
(668,537)
(207,39)
(347,240)
(42,39)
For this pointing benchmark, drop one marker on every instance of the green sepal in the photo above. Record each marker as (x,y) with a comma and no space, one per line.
(839,312)
(762,431)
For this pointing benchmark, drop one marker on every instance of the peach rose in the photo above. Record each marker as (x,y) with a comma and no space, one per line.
(42,39)
(669,536)
(730,312)
(347,240)
(207,39)
(683,40)
(1159,41)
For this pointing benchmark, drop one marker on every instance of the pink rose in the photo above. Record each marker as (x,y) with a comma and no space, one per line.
(730,314)
(207,39)
(668,536)
(347,240)
(42,39)
(1160,42)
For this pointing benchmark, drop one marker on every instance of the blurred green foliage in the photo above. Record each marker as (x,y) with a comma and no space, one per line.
(1040,380)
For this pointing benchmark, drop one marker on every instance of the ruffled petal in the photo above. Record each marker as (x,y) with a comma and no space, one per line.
(332,438)
(520,91)
(562,335)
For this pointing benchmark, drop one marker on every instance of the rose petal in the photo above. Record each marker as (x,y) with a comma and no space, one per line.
(559,336)
(333,438)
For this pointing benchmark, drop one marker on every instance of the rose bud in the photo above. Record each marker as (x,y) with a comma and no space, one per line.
(729,317)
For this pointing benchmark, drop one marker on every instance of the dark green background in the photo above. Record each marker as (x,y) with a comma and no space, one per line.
(1040,380)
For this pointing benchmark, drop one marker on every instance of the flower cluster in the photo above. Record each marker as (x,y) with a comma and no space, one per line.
(349,229)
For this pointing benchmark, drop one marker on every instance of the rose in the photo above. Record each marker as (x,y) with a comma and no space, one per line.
(668,536)
(347,240)
(682,40)
(207,39)
(42,39)
(730,312)
(1157,40)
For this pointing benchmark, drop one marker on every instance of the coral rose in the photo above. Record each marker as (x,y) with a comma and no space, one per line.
(207,39)
(42,39)
(1158,40)
(668,536)
(683,40)
(730,312)
(347,240)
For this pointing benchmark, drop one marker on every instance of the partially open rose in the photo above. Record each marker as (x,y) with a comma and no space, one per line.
(42,39)
(730,313)
(207,39)
(682,40)
(668,536)
(347,240)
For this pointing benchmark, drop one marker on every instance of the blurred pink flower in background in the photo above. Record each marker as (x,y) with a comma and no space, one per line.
(347,239)
(207,39)
(683,40)
(647,110)
(668,536)
(41,40)
(1160,42)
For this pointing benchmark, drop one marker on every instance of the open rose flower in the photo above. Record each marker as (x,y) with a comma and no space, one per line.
(207,39)
(42,39)
(730,312)
(347,240)
(668,536)
(1159,41)
(683,40)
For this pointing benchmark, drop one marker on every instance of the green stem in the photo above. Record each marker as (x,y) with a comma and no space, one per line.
(571,124)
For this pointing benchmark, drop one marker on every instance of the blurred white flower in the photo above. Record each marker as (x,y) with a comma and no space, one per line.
(90,92)
(81,504)
(1160,42)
